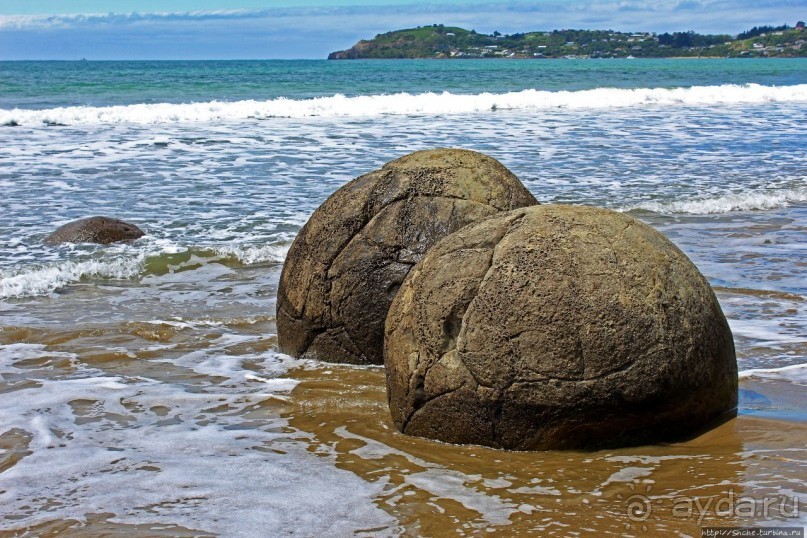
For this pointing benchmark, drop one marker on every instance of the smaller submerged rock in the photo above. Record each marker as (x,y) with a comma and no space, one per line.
(102,230)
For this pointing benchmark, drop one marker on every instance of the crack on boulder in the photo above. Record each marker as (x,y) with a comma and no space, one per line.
(417,396)
(425,403)
(513,223)
(370,217)
(334,333)
(311,335)
(621,234)
(357,350)
(473,375)
(329,278)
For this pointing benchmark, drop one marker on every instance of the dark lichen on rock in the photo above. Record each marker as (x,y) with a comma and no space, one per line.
(348,261)
(557,327)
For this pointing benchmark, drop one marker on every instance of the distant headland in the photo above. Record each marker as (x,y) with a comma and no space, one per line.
(438,41)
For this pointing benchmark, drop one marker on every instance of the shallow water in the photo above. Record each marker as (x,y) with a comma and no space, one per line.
(140,387)
(238,452)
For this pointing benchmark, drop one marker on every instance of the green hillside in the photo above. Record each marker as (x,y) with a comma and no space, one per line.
(440,41)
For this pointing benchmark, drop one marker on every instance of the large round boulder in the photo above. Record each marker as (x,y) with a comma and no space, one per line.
(347,262)
(557,327)
(102,230)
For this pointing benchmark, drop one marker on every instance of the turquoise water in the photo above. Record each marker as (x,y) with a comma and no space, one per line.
(51,84)
(229,158)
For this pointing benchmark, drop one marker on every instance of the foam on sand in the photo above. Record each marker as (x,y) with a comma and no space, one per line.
(403,104)
(794,372)
(189,463)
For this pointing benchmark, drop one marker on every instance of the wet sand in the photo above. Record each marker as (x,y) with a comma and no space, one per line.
(436,489)
(746,471)
(106,387)
(724,477)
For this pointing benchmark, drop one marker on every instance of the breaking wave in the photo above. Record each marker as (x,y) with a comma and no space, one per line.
(747,201)
(402,104)
(795,372)
(46,279)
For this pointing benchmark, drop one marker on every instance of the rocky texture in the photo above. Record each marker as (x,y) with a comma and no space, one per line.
(101,230)
(348,261)
(557,327)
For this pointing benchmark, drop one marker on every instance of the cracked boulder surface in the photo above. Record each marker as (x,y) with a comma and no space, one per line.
(348,261)
(558,327)
(102,230)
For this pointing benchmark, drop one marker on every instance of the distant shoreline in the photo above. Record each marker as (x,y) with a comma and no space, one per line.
(441,42)
(218,60)
(548,59)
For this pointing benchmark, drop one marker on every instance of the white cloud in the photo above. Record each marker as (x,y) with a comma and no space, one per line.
(38,22)
(655,14)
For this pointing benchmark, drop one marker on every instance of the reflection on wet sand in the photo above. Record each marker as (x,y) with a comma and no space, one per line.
(720,478)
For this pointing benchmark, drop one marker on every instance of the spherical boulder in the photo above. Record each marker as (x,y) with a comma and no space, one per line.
(557,327)
(102,230)
(347,262)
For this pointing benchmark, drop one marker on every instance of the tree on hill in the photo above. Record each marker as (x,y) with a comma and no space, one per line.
(759,30)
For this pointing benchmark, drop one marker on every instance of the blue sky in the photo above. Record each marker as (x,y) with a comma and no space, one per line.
(218,29)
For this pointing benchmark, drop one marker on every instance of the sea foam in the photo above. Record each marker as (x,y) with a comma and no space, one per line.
(725,203)
(41,280)
(250,255)
(45,280)
(794,372)
(402,104)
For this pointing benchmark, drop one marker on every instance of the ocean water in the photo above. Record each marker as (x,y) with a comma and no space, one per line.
(140,387)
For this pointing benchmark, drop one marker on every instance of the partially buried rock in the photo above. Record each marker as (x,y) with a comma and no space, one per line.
(101,230)
(348,261)
(557,327)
